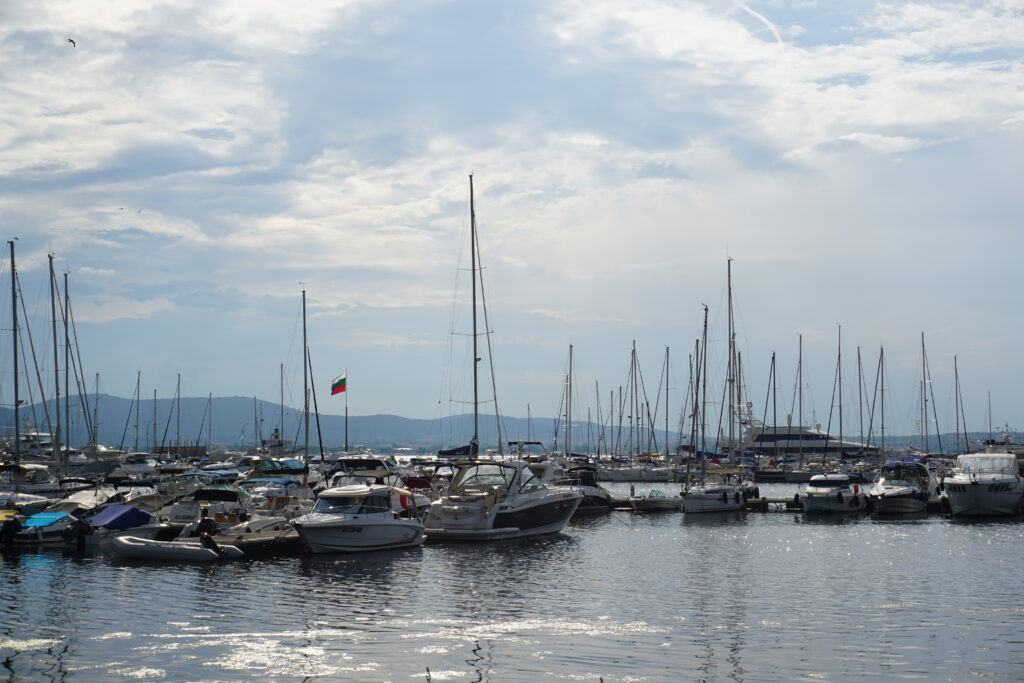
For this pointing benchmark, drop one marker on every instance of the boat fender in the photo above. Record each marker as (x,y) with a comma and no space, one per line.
(757,492)
(856,489)
(839,497)
(737,497)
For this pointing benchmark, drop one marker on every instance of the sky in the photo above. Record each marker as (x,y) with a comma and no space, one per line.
(194,166)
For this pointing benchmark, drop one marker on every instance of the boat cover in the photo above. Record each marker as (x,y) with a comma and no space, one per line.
(44,519)
(119,517)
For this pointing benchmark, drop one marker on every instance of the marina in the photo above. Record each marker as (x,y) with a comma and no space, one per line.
(621,597)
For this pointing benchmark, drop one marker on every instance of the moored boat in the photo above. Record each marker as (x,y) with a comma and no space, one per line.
(204,550)
(833,493)
(358,518)
(985,484)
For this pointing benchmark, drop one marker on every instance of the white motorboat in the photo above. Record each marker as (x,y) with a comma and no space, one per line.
(833,493)
(712,497)
(903,486)
(655,501)
(203,550)
(985,484)
(356,518)
(499,499)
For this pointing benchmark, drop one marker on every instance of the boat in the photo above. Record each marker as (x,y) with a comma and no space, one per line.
(358,518)
(712,495)
(46,527)
(203,550)
(904,486)
(596,498)
(655,501)
(833,493)
(985,484)
(491,499)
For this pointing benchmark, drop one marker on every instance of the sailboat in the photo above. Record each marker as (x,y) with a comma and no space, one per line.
(490,499)
(717,492)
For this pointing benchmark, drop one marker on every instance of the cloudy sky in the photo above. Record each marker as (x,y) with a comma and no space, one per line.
(190,163)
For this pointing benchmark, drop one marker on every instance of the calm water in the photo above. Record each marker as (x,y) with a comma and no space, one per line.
(623,597)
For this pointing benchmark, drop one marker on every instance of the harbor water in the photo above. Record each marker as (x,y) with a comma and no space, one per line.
(618,597)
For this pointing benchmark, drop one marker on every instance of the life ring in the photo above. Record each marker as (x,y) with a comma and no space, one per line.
(405,501)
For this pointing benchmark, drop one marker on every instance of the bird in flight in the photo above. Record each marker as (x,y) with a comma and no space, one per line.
(73,43)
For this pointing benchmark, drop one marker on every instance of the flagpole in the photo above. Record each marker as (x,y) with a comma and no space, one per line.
(346,410)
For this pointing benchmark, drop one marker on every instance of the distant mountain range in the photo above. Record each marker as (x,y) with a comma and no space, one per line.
(235,419)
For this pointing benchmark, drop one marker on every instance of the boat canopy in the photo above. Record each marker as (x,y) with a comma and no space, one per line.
(44,519)
(987,462)
(119,517)
(230,495)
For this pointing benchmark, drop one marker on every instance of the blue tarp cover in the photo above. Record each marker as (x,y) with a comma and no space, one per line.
(44,519)
(119,517)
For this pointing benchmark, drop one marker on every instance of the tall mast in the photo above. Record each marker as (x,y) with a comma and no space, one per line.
(153,449)
(177,415)
(14,328)
(731,374)
(475,441)
(57,450)
(924,394)
(96,413)
(881,362)
(667,452)
(568,410)
(860,396)
(138,404)
(280,427)
(67,359)
(800,393)
(956,404)
(305,379)
(839,370)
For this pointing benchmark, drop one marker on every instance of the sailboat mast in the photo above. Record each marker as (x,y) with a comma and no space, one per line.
(881,362)
(956,404)
(280,428)
(475,441)
(14,329)
(305,380)
(346,413)
(96,413)
(731,374)
(177,417)
(839,370)
(924,394)
(57,450)
(568,410)
(67,361)
(667,452)
(800,393)
(138,405)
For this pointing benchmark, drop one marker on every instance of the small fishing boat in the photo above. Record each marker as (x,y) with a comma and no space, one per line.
(204,550)
(354,518)
(655,501)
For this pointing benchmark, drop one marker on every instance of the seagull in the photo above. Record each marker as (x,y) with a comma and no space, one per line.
(73,43)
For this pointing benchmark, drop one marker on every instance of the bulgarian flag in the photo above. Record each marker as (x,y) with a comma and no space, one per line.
(338,383)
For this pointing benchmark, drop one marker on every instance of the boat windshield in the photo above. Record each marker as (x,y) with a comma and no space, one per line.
(351,505)
(900,481)
(994,463)
(483,475)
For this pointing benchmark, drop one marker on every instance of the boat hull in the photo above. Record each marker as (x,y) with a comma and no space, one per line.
(350,535)
(833,504)
(530,520)
(898,504)
(977,499)
(700,501)
(132,547)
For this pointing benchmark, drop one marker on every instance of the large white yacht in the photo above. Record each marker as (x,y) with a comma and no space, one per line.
(490,499)
(986,484)
(790,440)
